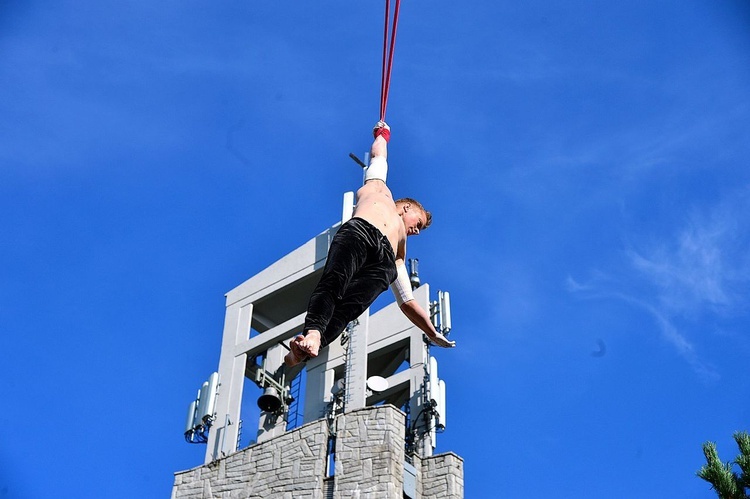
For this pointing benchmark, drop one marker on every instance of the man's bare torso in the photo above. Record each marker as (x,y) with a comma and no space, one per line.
(375,204)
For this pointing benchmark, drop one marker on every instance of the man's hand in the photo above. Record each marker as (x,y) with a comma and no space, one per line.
(441,341)
(381,129)
(419,318)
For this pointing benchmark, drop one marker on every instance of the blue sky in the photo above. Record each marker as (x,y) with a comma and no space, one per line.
(586,163)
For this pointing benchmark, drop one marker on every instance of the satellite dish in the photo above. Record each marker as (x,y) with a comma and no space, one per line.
(377,384)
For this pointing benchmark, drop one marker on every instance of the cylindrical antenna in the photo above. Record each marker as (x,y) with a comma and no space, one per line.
(414,273)
(203,399)
(190,424)
(434,380)
(445,311)
(441,406)
(206,410)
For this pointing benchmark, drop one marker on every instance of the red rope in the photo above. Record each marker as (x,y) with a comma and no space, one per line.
(385,80)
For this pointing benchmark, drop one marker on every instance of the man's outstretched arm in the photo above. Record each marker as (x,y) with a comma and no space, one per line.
(419,318)
(401,288)
(382,134)
(378,167)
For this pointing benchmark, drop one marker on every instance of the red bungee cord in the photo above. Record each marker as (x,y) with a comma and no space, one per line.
(385,81)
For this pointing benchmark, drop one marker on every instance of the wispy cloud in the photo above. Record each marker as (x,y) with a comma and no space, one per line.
(690,273)
(699,270)
(704,266)
(606,289)
(678,340)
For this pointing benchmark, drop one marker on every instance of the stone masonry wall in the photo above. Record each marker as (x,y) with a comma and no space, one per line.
(290,466)
(369,464)
(370,453)
(442,476)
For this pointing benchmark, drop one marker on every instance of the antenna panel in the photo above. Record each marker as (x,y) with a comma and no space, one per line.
(445,311)
(202,401)
(441,405)
(433,393)
(190,424)
(208,398)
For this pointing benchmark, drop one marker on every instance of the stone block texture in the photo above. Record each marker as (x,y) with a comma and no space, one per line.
(369,463)
(441,476)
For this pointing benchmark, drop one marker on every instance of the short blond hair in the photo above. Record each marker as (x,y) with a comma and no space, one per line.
(427,214)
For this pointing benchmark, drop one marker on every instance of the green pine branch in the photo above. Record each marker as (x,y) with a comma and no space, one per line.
(727,483)
(743,460)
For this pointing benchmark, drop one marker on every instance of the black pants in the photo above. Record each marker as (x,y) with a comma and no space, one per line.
(360,266)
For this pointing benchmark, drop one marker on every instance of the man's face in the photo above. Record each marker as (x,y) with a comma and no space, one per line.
(414,219)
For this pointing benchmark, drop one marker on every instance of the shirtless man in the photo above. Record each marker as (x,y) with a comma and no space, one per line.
(367,255)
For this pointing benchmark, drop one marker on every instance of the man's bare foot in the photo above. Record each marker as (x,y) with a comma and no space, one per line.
(310,343)
(441,341)
(291,360)
(296,354)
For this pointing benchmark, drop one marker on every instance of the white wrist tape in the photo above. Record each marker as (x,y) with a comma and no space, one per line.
(377,170)
(401,287)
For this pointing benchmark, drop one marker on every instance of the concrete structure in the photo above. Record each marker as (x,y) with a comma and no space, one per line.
(369,463)
(262,315)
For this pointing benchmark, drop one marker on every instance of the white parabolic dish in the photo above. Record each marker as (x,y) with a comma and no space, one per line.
(377,383)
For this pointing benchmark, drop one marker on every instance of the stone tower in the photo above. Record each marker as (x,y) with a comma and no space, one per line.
(372,406)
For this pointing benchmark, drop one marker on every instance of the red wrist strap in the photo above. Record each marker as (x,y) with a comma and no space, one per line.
(382,132)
